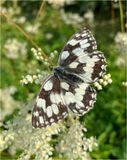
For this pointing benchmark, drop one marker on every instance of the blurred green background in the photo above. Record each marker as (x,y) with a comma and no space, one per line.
(49,25)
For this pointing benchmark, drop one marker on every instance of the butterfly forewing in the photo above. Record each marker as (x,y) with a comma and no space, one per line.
(81,57)
(49,106)
(80,43)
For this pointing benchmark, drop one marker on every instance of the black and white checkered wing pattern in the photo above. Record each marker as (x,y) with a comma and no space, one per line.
(81,57)
(49,106)
(69,88)
(78,98)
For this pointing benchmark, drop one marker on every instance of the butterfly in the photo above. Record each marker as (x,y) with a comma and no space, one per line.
(68,88)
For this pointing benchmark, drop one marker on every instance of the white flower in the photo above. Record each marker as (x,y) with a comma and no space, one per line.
(89,17)
(8,104)
(15,49)
(20,19)
(124,83)
(11,11)
(121,42)
(73,144)
(59,3)
(104,81)
(71,18)
(49,36)
(121,60)
(37,142)
(32,28)
(35,78)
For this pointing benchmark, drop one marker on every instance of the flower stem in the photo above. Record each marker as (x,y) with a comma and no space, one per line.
(25,34)
(40,10)
(121,15)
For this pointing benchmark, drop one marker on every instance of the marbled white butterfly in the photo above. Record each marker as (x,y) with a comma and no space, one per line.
(68,88)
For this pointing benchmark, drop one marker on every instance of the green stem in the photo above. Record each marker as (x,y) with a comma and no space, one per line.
(121,15)
(26,36)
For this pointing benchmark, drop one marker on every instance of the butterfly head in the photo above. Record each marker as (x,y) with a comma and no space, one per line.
(59,71)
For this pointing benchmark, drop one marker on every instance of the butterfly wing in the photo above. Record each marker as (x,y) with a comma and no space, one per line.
(81,57)
(49,106)
(79,98)
(56,97)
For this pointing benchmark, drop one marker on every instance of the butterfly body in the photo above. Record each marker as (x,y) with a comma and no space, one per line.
(69,87)
(67,76)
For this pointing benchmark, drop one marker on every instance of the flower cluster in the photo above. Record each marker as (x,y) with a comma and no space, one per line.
(15,14)
(6,104)
(73,144)
(71,18)
(40,75)
(76,19)
(21,136)
(59,3)
(121,42)
(15,49)
(124,83)
(35,78)
(104,81)
(32,29)
(89,17)
(120,61)
(10,10)
(38,54)
(37,142)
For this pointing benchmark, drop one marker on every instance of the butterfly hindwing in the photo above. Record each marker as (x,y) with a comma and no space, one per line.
(78,98)
(89,67)
(49,106)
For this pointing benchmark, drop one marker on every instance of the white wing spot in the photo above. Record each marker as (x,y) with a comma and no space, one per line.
(64,85)
(64,113)
(69,98)
(51,120)
(78,107)
(83,41)
(55,109)
(80,104)
(78,51)
(84,34)
(41,103)
(78,97)
(73,42)
(41,120)
(74,110)
(55,98)
(64,55)
(85,45)
(37,124)
(49,111)
(91,102)
(77,34)
(58,117)
(48,85)
(36,114)
(73,64)
(85,59)
(80,91)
